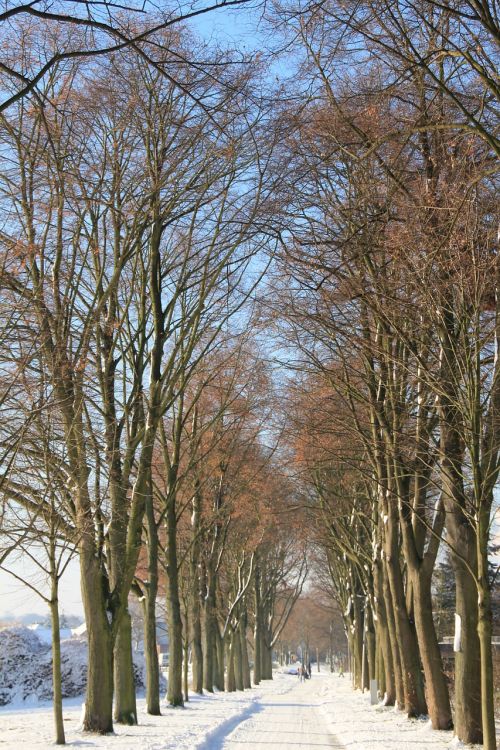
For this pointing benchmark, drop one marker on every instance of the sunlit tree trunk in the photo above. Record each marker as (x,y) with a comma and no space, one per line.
(468,717)
(56,646)
(125,711)
(257,675)
(174,689)
(209,647)
(149,610)
(196,628)
(99,695)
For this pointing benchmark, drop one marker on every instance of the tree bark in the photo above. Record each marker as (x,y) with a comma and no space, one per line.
(125,711)
(149,611)
(238,662)
(414,698)
(209,651)
(231,673)
(393,641)
(247,680)
(150,650)
(185,668)
(219,658)
(468,718)
(386,672)
(438,700)
(99,695)
(266,653)
(196,629)
(356,626)
(257,675)
(56,661)
(485,632)
(370,644)
(174,689)
(209,626)
(197,649)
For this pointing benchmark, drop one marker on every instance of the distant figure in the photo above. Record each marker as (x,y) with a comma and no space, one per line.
(309,671)
(341,671)
(300,672)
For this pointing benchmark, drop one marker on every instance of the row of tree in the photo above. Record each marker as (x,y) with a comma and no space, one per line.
(389,288)
(133,407)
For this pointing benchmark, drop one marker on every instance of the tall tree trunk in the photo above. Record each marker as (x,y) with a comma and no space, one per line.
(266,653)
(56,655)
(219,658)
(125,711)
(350,658)
(247,680)
(414,704)
(356,622)
(386,674)
(185,668)
(381,670)
(99,695)
(420,559)
(174,688)
(468,717)
(197,650)
(195,599)
(150,650)
(357,649)
(209,627)
(257,661)
(238,665)
(438,700)
(208,650)
(461,537)
(209,654)
(149,611)
(485,632)
(231,674)
(393,641)
(370,645)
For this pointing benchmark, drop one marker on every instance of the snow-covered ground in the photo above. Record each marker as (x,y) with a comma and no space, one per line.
(360,726)
(326,713)
(198,726)
(321,713)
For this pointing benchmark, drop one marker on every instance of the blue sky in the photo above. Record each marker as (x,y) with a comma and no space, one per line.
(238,27)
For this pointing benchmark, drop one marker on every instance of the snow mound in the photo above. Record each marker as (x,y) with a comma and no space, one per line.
(45,634)
(26,667)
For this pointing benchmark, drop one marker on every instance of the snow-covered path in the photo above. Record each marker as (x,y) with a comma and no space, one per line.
(292,720)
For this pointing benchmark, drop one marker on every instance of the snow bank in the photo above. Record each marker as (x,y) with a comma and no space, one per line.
(26,667)
(45,634)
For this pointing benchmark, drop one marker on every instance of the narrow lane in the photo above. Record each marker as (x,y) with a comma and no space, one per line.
(293,720)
